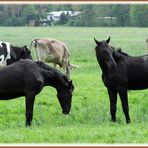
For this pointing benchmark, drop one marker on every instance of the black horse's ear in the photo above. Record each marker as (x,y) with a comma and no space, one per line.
(116,54)
(97,42)
(108,40)
(71,85)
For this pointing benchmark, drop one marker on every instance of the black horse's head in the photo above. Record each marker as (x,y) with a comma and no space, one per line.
(104,54)
(63,85)
(65,95)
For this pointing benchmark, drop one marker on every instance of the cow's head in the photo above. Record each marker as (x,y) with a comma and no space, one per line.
(25,53)
(3,54)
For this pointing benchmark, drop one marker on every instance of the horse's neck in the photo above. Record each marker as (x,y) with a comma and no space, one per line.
(51,80)
(107,68)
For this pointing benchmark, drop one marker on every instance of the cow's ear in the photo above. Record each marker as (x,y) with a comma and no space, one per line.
(108,40)
(26,50)
(4,45)
(25,47)
(65,78)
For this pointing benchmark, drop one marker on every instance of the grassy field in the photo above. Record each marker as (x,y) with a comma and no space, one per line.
(89,120)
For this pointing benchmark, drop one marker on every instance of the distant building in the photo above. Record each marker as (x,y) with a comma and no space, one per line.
(31,23)
(44,22)
(55,15)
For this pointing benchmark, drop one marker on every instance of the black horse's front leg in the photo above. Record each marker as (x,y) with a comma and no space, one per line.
(113,103)
(124,99)
(30,97)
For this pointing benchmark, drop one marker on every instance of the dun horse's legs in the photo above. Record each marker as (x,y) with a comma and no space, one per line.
(66,68)
(113,103)
(37,55)
(30,97)
(124,99)
(68,71)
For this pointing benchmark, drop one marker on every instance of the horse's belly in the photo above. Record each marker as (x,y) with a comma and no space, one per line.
(42,53)
(137,85)
(8,96)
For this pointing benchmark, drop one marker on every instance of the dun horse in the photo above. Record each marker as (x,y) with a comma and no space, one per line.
(53,51)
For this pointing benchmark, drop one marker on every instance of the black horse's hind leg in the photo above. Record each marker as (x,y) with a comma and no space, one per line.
(124,99)
(113,103)
(30,97)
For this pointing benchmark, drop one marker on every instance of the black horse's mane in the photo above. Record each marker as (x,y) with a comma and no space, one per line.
(45,66)
(119,50)
(56,72)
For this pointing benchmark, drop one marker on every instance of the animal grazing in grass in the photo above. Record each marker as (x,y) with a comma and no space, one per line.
(27,78)
(53,51)
(120,73)
(10,54)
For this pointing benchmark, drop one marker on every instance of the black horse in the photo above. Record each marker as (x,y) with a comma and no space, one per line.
(27,78)
(120,73)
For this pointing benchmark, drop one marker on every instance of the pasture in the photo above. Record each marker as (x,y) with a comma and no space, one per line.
(89,120)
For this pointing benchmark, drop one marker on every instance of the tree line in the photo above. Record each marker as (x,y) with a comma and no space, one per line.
(91,15)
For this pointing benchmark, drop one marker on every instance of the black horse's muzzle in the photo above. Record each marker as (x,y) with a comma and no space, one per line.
(65,112)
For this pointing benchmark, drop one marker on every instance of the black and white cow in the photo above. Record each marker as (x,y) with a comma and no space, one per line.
(10,54)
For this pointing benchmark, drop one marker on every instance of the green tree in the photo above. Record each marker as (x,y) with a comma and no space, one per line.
(139,15)
(29,13)
(101,11)
(88,16)
(63,18)
(122,13)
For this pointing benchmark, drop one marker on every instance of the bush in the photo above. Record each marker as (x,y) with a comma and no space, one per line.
(13,21)
(70,23)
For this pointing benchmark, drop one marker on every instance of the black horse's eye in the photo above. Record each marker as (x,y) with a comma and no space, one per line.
(0,59)
(104,52)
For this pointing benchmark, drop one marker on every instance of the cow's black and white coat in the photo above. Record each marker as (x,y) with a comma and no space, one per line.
(10,54)
(4,52)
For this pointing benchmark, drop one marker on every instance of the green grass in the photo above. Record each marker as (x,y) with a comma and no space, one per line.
(89,120)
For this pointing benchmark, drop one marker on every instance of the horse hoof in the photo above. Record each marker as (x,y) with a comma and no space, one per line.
(128,122)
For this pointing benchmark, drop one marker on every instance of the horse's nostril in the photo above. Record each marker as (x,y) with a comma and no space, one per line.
(65,112)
